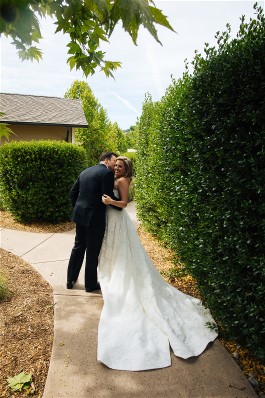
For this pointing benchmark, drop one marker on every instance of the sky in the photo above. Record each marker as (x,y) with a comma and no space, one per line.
(146,68)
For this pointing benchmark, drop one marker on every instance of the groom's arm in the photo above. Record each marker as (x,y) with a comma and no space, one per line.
(74,192)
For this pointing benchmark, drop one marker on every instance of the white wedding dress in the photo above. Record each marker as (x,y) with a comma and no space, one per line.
(142,314)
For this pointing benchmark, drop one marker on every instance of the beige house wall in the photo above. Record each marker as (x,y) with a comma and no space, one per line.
(34,132)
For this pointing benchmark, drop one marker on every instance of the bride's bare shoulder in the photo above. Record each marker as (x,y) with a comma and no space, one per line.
(122,181)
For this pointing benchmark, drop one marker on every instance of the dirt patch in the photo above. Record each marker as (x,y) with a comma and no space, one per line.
(7,221)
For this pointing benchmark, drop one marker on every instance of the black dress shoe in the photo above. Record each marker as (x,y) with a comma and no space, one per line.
(91,289)
(70,285)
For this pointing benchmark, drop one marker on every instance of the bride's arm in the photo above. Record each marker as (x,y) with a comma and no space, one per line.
(123,187)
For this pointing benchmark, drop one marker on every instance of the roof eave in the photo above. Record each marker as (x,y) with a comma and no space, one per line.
(43,124)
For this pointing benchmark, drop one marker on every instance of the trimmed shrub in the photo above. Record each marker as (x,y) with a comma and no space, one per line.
(223,231)
(147,155)
(201,177)
(161,156)
(36,179)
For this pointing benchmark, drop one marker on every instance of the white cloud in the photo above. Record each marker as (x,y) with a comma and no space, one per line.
(125,102)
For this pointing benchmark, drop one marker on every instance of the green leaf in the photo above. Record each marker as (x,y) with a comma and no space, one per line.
(132,14)
(100,34)
(34,53)
(20,381)
(74,48)
(72,62)
(5,131)
(136,13)
(110,66)
(31,53)
(100,8)
(160,18)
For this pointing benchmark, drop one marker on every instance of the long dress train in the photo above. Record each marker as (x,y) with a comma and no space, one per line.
(142,314)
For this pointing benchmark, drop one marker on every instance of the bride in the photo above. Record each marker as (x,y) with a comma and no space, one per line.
(143,316)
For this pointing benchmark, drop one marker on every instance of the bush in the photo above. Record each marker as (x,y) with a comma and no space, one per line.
(223,229)
(131,190)
(148,182)
(37,177)
(200,180)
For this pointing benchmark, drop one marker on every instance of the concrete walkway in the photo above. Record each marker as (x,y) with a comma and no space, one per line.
(74,371)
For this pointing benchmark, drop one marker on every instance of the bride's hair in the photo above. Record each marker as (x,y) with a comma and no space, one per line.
(128,167)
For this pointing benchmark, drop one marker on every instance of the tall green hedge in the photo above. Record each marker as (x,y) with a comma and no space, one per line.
(36,178)
(146,158)
(203,191)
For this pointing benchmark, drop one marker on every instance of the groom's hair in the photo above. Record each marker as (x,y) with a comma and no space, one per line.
(107,155)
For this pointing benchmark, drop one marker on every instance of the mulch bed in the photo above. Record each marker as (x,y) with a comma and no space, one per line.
(26,324)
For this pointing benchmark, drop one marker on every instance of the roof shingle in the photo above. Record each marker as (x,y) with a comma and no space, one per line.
(32,109)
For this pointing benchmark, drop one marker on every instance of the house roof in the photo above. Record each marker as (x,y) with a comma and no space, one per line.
(40,110)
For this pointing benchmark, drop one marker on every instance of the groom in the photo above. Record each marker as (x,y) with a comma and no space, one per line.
(89,216)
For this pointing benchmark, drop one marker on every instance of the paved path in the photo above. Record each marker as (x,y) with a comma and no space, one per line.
(74,371)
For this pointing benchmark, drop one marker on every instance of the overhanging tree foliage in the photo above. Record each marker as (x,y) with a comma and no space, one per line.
(87,22)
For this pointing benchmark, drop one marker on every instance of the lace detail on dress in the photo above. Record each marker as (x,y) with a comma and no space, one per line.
(116,193)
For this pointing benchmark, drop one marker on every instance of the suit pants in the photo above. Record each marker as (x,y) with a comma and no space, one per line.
(88,239)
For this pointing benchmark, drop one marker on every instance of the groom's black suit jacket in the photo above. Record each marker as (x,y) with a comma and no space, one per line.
(86,194)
